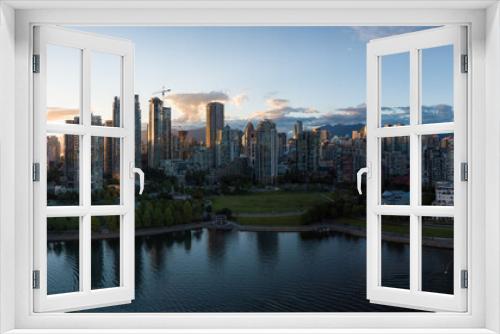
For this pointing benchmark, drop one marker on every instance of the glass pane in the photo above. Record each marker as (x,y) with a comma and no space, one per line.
(437,169)
(437,254)
(395,89)
(63,253)
(63,165)
(64,73)
(105,171)
(437,84)
(395,170)
(396,251)
(105,258)
(105,89)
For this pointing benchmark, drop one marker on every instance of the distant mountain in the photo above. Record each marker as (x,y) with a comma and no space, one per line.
(341,130)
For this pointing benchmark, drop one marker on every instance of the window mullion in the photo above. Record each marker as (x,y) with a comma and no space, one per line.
(414,170)
(86,161)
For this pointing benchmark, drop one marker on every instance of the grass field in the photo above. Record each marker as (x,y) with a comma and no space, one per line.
(270,221)
(428,231)
(269,202)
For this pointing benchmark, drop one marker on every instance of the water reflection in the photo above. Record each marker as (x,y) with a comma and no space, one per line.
(217,271)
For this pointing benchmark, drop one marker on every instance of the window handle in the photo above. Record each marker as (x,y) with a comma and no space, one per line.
(359,176)
(133,171)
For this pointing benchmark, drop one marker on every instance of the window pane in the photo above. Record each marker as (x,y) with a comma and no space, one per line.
(105,89)
(63,260)
(105,260)
(395,170)
(105,170)
(396,251)
(437,254)
(63,158)
(395,89)
(437,84)
(437,169)
(64,68)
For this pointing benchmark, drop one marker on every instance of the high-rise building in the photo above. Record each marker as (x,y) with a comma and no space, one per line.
(97,158)
(228,145)
(266,152)
(108,152)
(215,122)
(282,142)
(248,143)
(53,151)
(236,136)
(297,129)
(223,146)
(71,157)
(159,133)
(307,152)
(137,113)
(116,112)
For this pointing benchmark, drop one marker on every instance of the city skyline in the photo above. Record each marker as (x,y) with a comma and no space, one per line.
(255,72)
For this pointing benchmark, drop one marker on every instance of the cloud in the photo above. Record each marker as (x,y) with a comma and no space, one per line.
(348,115)
(280,108)
(366,34)
(238,100)
(192,105)
(55,114)
(437,114)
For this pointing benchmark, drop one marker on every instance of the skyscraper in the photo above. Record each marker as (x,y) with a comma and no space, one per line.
(215,122)
(297,129)
(137,112)
(159,133)
(223,146)
(97,158)
(307,152)
(71,157)
(248,143)
(266,152)
(281,144)
(108,152)
(116,111)
(53,151)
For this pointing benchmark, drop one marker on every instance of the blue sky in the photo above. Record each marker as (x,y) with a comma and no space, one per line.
(274,72)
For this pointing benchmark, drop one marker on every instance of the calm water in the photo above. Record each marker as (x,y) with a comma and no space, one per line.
(217,271)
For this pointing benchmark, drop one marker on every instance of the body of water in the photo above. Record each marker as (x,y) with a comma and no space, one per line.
(232,271)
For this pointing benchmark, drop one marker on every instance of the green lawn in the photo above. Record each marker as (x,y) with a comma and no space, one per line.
(428,231)
(268,202)
(270,221)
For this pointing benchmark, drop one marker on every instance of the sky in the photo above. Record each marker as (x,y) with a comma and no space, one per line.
(317,74)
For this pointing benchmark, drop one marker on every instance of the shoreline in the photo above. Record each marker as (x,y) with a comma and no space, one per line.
(320,228)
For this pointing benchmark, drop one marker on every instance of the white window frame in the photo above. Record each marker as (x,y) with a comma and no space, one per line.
(484,236)
(412,44)
(124,51)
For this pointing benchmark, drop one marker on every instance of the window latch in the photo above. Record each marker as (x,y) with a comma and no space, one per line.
(366,170)
(138,171)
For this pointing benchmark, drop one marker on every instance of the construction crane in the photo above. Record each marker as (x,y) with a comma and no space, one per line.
(163,92)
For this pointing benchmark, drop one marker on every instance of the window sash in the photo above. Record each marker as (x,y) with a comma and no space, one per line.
(414,297)
(85,297)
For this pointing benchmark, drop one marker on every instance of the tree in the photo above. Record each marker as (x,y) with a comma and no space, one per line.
(147,216)
(168,217)
(187,212)
(157,214)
